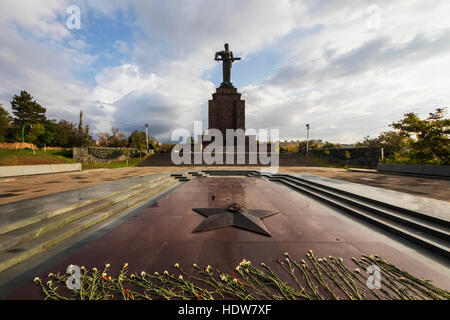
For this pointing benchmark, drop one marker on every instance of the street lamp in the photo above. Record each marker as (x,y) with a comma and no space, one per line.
(146,135)
(23,131)
(307,139)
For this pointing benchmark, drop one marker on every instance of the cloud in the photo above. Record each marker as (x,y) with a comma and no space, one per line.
(77,44)
(333,72)
(121,46)
(133,98)
(38,17)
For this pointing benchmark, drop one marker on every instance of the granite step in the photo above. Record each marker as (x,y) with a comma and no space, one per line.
(424,225)
(367,212)
(413,213)
(46,214)
(21,252)
(31,231)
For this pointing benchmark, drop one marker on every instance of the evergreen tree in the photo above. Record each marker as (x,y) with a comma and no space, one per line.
(5,123)
(83,138)
(80,124)
(27,110)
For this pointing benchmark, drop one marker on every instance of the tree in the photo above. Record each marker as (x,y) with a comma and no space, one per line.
(44,139)
(113,140)
(391,139)
(5,123)
(27,110)
(82,137)
(427,140)
(123,140)
(80,123)
(166,147)
(102,139)
(65,133)
(35,131)
(329,145)
(87,138)
(117,139)
(137,140)
(388,139)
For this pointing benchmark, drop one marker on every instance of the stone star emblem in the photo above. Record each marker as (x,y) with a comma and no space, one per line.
(234,216)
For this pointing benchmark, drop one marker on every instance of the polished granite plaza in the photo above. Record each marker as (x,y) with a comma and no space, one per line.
(161,234)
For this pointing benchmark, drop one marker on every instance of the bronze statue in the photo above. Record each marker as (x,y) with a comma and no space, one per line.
(227,59)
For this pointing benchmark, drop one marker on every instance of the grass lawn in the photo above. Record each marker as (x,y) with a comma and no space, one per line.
(113,165)
(11,157)
(324,163)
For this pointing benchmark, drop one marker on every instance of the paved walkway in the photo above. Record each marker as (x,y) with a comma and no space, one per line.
(20,188)
(425,187)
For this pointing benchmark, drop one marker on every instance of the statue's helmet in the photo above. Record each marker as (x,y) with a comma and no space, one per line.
(226,46)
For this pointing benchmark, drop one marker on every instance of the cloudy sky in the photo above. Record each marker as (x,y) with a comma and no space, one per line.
(349,68)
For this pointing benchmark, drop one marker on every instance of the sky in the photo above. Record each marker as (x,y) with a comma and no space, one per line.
(349,68)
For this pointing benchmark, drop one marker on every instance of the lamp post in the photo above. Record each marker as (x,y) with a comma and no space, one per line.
(146,135)
(307,139)
(23,131)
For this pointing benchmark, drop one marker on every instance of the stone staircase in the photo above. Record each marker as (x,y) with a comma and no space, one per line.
(35,234)
(427,231)
(285,160)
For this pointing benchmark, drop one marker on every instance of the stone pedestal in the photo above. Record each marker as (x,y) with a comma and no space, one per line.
(226,110)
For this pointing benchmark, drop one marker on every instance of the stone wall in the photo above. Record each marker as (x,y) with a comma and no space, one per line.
(15,171)
(103,154)
(417,169)
(17,145)
(363,157)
